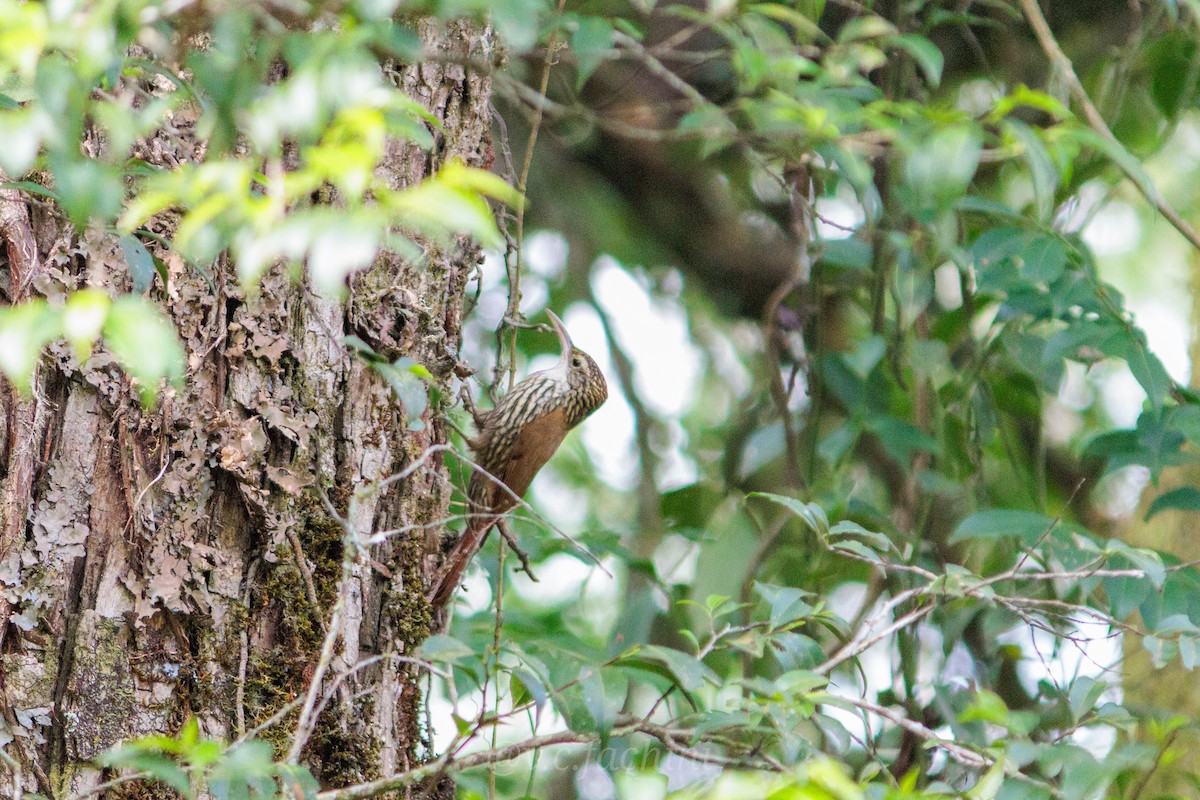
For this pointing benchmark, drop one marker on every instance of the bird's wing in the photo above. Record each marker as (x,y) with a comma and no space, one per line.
(531,449)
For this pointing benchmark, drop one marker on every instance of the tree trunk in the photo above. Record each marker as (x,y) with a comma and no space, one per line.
(182,562)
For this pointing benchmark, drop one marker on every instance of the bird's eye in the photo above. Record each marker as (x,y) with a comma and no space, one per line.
(577,361)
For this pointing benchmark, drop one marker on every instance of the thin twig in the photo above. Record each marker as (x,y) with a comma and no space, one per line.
(100,788)
(514,273)
(956,751)
(310,587)
(1045,37)
(1049,528)
(401,780)
(501,486)
(861,643)
(773,336)
(306,722)
(244,652)
(1158,760)
(506,532)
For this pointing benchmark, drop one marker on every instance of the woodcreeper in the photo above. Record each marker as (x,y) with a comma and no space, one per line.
(515,440)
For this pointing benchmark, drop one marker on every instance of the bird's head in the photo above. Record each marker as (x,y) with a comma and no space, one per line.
(586,388)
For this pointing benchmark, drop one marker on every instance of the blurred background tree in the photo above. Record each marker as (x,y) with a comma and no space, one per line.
(895,301)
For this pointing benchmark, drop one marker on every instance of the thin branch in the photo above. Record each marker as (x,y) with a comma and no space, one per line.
(657,67)
(307,720)
(514,270)
(1045,37)
(101,788)
(244,653)
(310,587)
(956,751)
(1158,760)
(858,646)
(443,763)
(501,486)
(772,335)
(672,739)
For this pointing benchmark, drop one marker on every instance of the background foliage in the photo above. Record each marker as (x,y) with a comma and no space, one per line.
(873,543)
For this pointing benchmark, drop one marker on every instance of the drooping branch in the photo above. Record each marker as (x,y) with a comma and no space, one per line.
(1095,120)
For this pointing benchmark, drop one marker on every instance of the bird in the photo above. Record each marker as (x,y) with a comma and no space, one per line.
(515,440)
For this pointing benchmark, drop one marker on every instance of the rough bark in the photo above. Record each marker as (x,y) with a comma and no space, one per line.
(180,561)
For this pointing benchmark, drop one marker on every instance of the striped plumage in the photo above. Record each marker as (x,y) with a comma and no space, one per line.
(516,439)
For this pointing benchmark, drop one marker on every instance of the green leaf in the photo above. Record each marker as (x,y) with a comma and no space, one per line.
(1085,691)
(1161,651)
(712,126)
(444,648)
(1028,526)
(1148,561)
(850,253)
(987,787)
(1185,498)
(592,40)
(299,780)
(859,549)
(88,190)
(787,603)
(799,16)
(83,319)
(1044,259)
(692,506)
(141,263)
(850,528)
(1024,97)
(900,438)
(1170,57)
(864,358)
(867,26)
(1126,161)
(996,246)
(1129,343)
(339,249)
(526,682)
(31,188)
(939,168)
(438,210)
(1125,595)
(159,766)
(927,55)
(145,343)
(812,514)
(189,735)
(402,376)
(1188,652)
(245,771)
(459,176)
(26,329)
(603,693)
(517,21)
(689,672)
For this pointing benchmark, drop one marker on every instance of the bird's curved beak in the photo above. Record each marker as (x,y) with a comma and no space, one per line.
(564,338)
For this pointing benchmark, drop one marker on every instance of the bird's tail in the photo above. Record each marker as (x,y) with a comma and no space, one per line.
(457,561)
